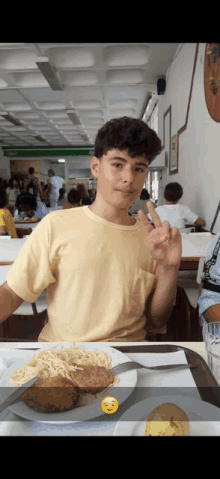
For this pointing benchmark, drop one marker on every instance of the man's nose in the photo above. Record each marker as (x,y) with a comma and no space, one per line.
(128,176)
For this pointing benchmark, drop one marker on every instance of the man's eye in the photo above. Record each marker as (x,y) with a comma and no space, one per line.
(117,164)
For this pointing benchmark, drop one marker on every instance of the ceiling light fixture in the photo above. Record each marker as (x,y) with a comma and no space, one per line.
(49,73)
(39,138)
(84,137)
(152,99)
(74,117)
(7,117)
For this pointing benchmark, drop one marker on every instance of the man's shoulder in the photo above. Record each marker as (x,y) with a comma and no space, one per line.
(183,207)
(161,208)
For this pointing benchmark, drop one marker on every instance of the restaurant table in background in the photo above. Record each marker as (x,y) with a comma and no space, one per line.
(9,250)
(199,381)
(194,246)
(26,224)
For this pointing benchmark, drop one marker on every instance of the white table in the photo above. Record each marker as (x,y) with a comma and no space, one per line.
(198,347)
(10,248)
(26,225)
(195,244)
(13,425)
(3,273)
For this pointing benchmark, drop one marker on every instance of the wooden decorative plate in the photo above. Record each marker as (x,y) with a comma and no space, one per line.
(212,79)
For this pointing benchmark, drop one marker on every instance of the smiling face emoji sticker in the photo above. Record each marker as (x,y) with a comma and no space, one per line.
(109,405)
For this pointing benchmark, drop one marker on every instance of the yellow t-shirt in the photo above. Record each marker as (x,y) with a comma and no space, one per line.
(6,219)
(97,276)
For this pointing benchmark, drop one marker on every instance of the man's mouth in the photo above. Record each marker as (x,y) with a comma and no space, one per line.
(125,192)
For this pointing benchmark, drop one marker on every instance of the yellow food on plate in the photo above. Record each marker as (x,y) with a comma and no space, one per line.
(167,420)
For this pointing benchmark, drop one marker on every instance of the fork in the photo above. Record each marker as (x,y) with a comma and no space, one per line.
(128,366)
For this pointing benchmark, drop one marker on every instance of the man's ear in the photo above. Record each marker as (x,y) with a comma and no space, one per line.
(95,165)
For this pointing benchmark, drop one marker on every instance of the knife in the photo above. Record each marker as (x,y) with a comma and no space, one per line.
(16,393)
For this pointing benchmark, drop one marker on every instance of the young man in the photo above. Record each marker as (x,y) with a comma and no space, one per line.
(108,276)
(54,185)
(28,207)
(34,184)
(177,214)
(209,300)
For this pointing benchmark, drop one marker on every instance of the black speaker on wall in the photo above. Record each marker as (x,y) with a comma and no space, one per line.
(161,85)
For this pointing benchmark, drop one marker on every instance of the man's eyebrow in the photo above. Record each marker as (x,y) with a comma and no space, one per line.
(125,161)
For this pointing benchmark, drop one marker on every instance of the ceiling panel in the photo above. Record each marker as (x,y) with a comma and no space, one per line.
(40,83)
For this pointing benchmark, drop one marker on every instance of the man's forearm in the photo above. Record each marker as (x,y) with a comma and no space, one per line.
(9,302)
(161,305)
(212,314)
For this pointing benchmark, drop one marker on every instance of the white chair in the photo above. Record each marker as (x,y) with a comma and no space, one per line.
(200,273)
(200,279)
(151,334)
(26,322)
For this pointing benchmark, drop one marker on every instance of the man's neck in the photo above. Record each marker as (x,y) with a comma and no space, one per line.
(110,213)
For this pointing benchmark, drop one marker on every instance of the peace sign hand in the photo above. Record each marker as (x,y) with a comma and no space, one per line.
(165,242)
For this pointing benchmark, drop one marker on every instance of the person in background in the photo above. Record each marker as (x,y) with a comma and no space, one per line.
(176,213)
(92,194)
(62,198)
(74,200)
(16,182)
(84,194)
(21,188)
(209,299)
(28,207)
(12,193)
(140,203)
(5,185)
(32,185)
(7,224)
(46,195)
(54,185)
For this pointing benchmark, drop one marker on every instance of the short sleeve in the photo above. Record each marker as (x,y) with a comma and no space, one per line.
(2,219)
(189,215)
(207,299)
(31,273)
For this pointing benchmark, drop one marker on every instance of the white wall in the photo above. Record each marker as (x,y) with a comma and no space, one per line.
(199,165)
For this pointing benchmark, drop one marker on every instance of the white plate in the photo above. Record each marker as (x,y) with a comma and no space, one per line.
(195,409)
(121,391)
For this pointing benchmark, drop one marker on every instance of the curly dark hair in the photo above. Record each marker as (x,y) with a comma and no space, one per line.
(173,192)
(26,199)
(3,199)
(74,197)
(130,134)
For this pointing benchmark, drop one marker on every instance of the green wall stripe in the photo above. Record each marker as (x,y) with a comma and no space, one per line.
(46,151)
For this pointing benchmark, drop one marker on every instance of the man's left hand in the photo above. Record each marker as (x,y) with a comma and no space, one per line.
(165,242)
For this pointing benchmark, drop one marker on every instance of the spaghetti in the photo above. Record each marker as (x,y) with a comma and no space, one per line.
(59,363)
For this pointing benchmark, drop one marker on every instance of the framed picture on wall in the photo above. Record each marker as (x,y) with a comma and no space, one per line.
(173,166)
